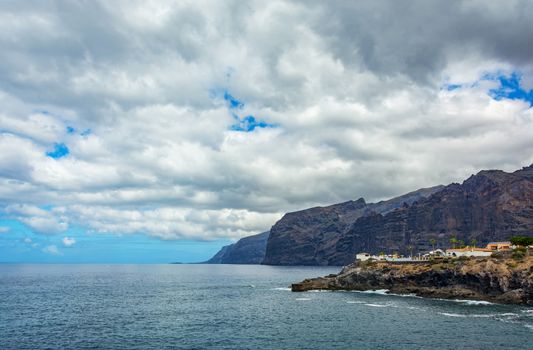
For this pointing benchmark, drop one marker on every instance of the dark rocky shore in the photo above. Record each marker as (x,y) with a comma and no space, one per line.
(501,280)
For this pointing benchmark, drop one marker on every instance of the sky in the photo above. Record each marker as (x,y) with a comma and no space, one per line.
(151,132)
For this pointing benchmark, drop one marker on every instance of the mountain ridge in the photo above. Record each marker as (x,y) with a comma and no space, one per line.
(487,206)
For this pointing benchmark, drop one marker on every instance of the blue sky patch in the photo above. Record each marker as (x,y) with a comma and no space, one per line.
(60,150)
(235,106)
(451,87)
(249,123)
(246,124)
(21,245)
(70,130)
(232,102)
(510,88)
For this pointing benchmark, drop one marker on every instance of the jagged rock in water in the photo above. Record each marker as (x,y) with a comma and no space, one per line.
(492,279)
(247,250)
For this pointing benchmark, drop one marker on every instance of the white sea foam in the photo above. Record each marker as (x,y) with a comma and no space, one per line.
(452,315)
(282,288)
(472,302)
(355,302)
(377,291)
(414,308)
(302,299)
(506,315)
(319,291)
(378,305)
(530,326)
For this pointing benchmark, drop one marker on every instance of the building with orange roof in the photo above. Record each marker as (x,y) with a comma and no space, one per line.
(479,252)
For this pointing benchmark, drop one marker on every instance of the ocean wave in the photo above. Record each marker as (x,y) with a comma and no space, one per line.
(414,308)
(379,305)
(377,291)
(282,288)
(471,302)
(320,291)
(303,299)
(506,315)
(355,302)
(452,315)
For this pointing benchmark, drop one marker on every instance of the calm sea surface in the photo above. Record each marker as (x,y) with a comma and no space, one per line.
(233,307)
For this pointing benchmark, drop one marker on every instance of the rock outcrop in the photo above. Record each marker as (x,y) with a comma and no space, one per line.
(247,250)
(490,279)
(489,206)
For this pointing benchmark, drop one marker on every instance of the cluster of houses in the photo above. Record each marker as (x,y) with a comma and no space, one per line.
(439,253)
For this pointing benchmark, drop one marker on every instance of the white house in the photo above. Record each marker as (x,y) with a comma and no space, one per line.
(476,252)
(363,256)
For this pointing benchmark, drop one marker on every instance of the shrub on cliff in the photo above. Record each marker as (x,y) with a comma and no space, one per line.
(518,255)
(523,241)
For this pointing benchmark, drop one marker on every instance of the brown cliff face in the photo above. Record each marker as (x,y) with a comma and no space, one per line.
(310,237)
(489,206)
(498,280)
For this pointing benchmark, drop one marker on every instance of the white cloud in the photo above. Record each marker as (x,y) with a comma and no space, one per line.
(68,242)
(39,220)
(51,249)
(358,101)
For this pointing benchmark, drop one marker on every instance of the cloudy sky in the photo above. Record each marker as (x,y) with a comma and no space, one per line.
(137,131)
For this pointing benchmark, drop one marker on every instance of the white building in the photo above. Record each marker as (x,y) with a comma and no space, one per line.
(475,252)
(363,256)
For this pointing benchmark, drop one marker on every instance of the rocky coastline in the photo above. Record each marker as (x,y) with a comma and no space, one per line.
(495,279)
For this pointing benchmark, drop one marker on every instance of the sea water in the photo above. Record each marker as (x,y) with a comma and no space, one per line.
(234,307)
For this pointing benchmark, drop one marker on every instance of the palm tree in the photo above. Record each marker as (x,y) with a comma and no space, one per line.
(433,241)
(473,242)
(410,247)
(453,241)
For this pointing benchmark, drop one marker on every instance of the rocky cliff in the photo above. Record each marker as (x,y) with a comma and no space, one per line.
(247,250)
(492,279)
(311,236)
(489,206)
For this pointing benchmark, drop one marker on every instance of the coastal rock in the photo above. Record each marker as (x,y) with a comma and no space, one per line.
(497,280)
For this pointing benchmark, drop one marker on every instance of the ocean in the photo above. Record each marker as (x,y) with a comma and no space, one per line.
(233,307)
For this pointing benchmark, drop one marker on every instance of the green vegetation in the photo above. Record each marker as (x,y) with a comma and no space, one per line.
(523,241)
(497,255)
(410,248)
(518,255)
(433,241)
(453,241)
(512,265)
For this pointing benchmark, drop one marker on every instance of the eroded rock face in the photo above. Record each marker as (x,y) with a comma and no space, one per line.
(247,250)
(311,236)
(489,206)
(497,280)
